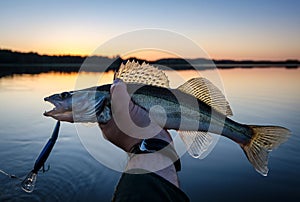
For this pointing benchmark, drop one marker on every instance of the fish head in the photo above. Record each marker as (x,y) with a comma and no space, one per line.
(79,106)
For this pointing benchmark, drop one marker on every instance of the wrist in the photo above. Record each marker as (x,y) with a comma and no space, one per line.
(162,135)
(157,146)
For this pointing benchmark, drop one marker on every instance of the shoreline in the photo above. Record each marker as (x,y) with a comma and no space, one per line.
(17,69)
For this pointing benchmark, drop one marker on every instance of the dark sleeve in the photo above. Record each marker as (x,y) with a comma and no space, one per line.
(147,187)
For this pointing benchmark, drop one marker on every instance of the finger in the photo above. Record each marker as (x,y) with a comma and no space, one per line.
(115,82)
(120,97)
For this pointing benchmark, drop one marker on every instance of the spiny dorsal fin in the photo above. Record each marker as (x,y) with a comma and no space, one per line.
(198,143)
(133,72)
(208,93)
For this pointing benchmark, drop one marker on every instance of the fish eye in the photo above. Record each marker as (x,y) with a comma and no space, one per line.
(64,95)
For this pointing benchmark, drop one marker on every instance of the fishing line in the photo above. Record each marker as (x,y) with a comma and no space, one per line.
(10,175)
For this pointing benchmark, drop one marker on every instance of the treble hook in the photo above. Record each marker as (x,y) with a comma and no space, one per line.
(45,170)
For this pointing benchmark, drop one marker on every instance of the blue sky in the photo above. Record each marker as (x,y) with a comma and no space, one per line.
(257,29)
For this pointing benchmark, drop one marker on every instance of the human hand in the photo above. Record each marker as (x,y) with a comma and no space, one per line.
(130,123)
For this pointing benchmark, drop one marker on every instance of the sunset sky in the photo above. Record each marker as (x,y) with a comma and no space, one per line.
(256,29)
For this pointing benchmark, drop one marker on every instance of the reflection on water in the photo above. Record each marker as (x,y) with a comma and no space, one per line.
(257,96)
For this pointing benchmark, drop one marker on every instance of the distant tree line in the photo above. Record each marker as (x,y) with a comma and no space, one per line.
(12,57)
(12,62)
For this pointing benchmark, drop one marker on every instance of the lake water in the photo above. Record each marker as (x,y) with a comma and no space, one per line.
(257,96)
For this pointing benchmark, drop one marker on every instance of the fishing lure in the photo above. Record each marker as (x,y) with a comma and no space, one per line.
(28,183)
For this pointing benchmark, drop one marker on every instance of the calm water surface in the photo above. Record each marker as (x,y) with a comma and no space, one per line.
(257,96)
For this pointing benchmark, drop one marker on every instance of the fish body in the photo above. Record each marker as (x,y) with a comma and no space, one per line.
(183,112)
(194,109)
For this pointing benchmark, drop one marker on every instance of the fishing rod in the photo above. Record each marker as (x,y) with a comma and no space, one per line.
(28,183)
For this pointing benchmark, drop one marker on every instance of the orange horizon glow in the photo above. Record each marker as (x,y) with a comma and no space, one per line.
(150,55)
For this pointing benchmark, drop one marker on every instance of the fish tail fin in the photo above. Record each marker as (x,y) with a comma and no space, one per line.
(264,140)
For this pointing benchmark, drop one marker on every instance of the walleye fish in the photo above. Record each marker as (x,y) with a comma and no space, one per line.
(195,109)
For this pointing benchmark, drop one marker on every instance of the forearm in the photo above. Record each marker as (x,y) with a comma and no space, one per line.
(156,163)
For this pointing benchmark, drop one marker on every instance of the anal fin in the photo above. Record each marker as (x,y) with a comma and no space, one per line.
(199,144)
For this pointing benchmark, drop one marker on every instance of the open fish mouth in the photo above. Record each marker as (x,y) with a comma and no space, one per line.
(57,109)
(59,112)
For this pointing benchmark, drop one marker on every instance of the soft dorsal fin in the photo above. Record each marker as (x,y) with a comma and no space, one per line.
(208,93)
(199,144)
(133,72)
